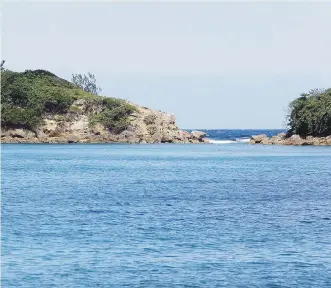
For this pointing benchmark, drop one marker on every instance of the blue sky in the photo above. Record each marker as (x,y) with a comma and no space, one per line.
(214,64)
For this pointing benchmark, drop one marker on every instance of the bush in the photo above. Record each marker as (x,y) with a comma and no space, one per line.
(310,114)
(116,115)
(20,117)
(150,119)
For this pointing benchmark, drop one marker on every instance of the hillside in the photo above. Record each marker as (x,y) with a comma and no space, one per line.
(39,107)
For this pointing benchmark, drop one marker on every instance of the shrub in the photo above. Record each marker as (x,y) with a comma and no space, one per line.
(149,119)
(116,115)
(20,117)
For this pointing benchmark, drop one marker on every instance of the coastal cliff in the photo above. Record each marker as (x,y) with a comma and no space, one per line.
(39,107)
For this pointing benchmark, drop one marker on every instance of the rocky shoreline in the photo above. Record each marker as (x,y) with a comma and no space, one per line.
(27,136)
(294,140)
(146,126)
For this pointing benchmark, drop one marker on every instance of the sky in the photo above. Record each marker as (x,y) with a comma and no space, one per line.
(226,65)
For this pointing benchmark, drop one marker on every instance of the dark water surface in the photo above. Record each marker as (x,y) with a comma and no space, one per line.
(231,215)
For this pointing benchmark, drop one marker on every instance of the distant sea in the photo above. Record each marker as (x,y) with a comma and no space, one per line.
(166,215)
(230,136)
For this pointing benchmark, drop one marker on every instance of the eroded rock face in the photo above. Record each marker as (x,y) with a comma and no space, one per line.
(294,140)
(146,126)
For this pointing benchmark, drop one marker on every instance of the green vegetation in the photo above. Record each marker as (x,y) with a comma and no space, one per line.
(310,114)
(86,82)
(150,119)
(115,116)
(27,96)
(2,65)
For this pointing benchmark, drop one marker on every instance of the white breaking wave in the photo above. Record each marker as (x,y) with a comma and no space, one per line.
(243,140)
(238,140)
(221,141)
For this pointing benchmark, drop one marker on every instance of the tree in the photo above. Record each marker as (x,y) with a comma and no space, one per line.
(86,82)
(1,65)
(310,114)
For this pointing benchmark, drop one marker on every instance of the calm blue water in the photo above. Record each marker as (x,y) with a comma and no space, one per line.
(232,215)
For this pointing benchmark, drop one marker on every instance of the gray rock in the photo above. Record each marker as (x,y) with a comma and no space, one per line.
(257,138)
(294,140)
(198,135)
(18,133)
(266,141)
(73,139)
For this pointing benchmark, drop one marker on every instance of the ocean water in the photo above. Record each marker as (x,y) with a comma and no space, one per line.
(226,136)
(231,215)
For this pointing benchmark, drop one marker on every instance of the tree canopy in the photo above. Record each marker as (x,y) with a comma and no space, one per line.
(310,114)
(86,82)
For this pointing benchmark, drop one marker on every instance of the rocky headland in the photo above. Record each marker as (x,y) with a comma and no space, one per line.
(146,126)
(309,121)
(39,107)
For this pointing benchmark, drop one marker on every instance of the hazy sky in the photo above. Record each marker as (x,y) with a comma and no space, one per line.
(214,65)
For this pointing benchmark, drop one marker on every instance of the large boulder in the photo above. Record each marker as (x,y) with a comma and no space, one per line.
(198,135)
(255,139)
(294,140)
(17,133)
(184,135)
(277,139)
(266,141)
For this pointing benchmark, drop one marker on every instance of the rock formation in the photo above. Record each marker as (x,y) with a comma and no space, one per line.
(146,126)
(295,140)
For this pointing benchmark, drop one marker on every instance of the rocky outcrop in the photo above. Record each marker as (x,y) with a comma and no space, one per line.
(294,140)
(258,138)
(146,126)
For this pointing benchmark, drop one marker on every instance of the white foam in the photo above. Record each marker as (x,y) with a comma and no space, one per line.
(238,140)
(243,140)
(221,141)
